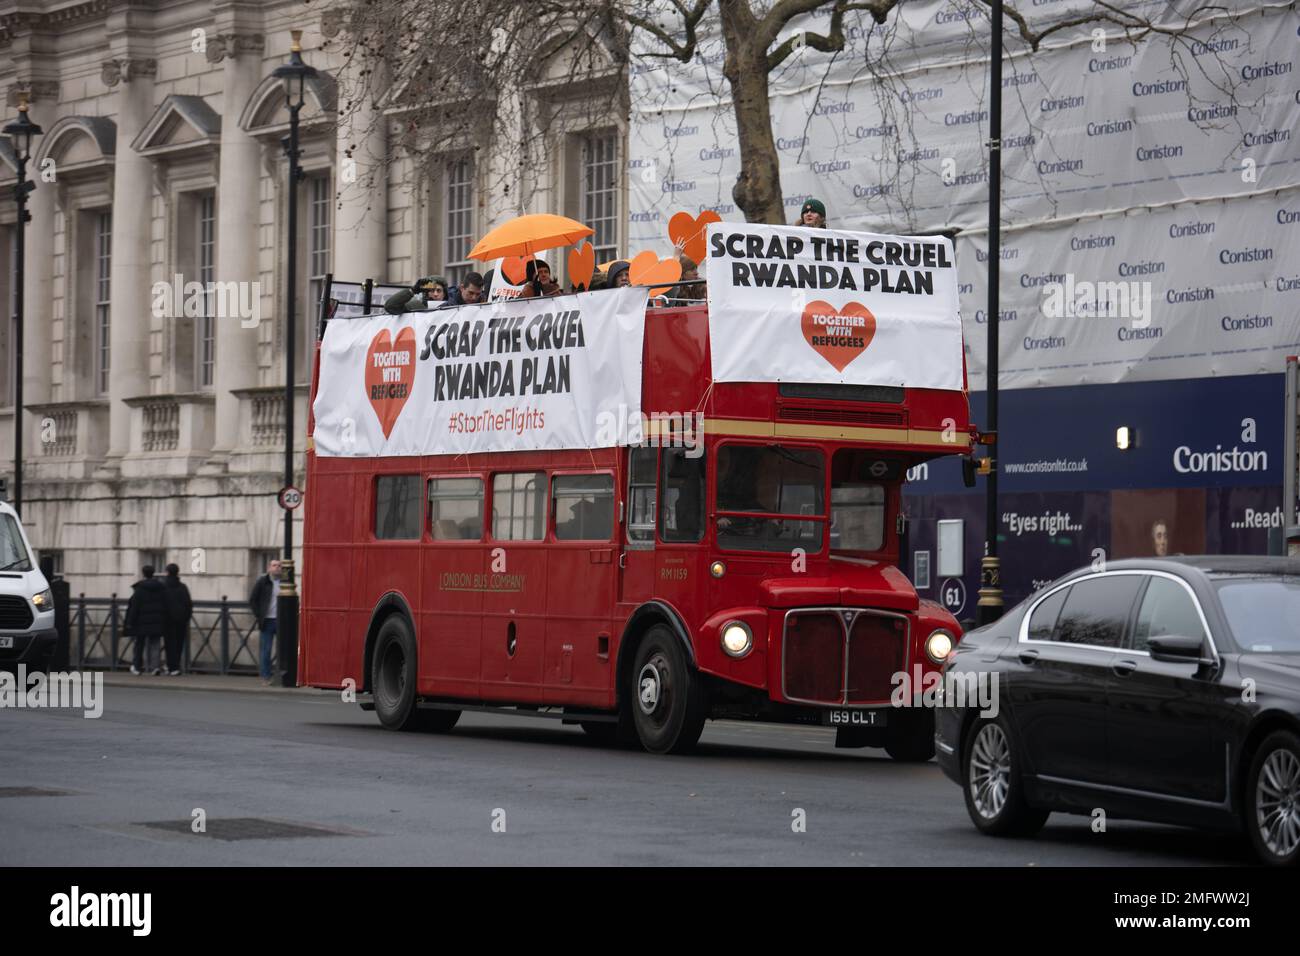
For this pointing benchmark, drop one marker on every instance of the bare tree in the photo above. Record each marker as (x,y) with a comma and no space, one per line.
(481,72)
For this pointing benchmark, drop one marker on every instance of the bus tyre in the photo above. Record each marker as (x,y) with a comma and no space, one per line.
(392,675)
(666,695)
(909,737)
(1272,804)
(990,773)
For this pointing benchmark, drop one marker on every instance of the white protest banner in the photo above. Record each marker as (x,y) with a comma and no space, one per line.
(509,376)
(788,304)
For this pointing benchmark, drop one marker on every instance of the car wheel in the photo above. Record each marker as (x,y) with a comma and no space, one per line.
(392,676)
(995,796)
(909,738)
(1272,806)
(666,695)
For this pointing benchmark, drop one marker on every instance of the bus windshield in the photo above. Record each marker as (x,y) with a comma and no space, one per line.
(758,480)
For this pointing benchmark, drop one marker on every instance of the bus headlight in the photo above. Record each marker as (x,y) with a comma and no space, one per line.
(737,638)
(717,569)
(939,645)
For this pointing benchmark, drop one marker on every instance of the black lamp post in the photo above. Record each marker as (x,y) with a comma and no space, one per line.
(989,607)
(294,75)
(21,132)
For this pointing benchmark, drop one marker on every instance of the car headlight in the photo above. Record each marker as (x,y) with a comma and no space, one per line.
(939,645)
(44,601)
(737,638)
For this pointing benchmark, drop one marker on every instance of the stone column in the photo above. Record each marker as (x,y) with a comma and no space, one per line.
(361,178)
(38,293)
(237,239)
(131,267)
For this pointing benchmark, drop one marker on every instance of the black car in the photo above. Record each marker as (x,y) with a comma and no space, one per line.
(1163,689)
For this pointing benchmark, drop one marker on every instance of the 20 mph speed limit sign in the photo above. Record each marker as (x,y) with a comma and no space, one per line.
(290,498)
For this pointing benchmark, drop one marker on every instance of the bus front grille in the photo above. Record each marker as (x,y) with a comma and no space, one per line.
(842,655)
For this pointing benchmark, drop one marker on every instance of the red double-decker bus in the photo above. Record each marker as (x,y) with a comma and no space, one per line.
(739,563)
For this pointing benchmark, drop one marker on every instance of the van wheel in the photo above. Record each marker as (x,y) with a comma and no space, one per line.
(666,695)
(392,675)
(995,797)
(909,738)
(1272,804)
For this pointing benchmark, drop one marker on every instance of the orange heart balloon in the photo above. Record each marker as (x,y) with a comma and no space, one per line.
(690,232)
(582,262)
(647,268)
(515,269)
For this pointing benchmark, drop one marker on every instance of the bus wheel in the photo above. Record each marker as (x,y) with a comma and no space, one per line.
(909,738)
(392,674)
(666,695)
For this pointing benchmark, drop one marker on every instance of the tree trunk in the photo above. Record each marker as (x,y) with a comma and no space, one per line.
(758,187)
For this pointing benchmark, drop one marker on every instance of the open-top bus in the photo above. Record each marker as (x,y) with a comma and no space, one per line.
(739,562)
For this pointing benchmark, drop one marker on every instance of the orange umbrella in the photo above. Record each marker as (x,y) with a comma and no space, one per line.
(525,235)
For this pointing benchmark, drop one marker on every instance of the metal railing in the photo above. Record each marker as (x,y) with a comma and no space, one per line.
(223,637)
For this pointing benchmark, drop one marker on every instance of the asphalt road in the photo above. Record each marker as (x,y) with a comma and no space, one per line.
(158,754)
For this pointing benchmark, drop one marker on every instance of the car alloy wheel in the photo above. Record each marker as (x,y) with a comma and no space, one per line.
(1277,803)
(990,771)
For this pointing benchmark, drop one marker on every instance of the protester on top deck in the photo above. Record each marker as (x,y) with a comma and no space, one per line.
(539,280)
(696,291)
(813,214)
(617,276)
(427,293)
(469,292)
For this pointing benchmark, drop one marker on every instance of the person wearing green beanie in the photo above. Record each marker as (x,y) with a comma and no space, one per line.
(813,214)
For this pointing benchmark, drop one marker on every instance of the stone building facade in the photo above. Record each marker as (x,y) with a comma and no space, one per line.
(154,432)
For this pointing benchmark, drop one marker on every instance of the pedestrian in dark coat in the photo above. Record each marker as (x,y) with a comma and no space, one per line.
(147,621)
(264,601)
(179,609)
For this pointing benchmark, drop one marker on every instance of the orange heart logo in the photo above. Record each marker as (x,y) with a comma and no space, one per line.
(839,335)
(689,233)
(390,373)
(647,267)
(582,263)
(515,269)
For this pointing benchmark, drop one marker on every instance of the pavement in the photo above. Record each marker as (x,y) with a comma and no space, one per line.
(307,779)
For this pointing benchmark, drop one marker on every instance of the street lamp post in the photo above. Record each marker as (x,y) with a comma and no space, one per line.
(294,75)
(21,132)
(989,607)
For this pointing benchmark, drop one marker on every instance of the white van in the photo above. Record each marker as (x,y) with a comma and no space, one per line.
(27,632)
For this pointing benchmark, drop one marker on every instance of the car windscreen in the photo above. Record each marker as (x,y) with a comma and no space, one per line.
(13,551)
(1263,612)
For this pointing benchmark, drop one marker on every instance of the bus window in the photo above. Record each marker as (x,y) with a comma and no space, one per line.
(519,506)
(681,514)
(857,503)
(770,480)
(641,494)
(397,507)
(456,509)
(584,507)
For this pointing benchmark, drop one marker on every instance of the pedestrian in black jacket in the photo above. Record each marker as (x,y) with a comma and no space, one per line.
(147,621)
(179,609)
(264,601)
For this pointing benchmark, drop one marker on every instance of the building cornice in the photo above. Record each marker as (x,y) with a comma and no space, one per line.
(31,21)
